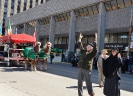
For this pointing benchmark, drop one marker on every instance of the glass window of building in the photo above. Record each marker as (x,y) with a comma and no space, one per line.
(91,38)
(5,9)
(122,37)
(62,17)
(84,40)
(56,41)
(67,40)
(106,40)
(18,7)
(113,38)
(86,12)
(44,21)
(114,5)
(60,40)
(95,9)
(90,10)
(6,3)
(64,40)
(4,17)
(12,11)
(127,3)
(117,4)
(108,6)
(12,5)
(120,4)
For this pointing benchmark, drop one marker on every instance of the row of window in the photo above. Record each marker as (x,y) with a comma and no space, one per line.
(117,4)
(109,38)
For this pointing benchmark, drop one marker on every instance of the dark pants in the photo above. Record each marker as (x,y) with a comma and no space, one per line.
(84,74)
(51,61)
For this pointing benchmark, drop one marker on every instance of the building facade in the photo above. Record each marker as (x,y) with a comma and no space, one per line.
(11,7)
(61,21)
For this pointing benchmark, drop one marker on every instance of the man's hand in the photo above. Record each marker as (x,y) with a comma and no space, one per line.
(80,36)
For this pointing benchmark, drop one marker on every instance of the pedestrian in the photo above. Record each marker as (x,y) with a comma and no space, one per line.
(111,71)
(85,66)
(62,57)
(51,58)
(95,62)
(73,61)
(100,67)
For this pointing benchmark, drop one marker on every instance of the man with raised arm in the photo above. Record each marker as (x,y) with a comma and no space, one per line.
(85,65)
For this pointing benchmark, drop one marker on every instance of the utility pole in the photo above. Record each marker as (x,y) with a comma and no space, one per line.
(130,32)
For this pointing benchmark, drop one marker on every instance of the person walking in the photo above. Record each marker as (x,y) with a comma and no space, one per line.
(100,67)
(85,65)
(111,71)
(62,57)
(51,58)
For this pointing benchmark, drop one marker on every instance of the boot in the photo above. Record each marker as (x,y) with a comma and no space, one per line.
(92,94)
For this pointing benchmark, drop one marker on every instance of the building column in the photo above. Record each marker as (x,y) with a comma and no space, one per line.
(1,10)
(9,8)
(25,29)
(52,31)
(71,44)
(37,30)
(15,6)
(22,6)
(27,4)
(33,3)
(101,27)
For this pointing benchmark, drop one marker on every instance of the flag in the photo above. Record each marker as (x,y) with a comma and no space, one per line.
(9,28)
(16,31)
(0,29)
(34,33)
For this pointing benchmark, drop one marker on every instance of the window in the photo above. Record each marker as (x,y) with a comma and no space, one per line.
(56,41)
(113,38)
(91,38)
(106,39)
(31,24)
(114,5)
(44,21)
(127,3)
(117,4)
(62,17)
(108,6)
(64,40)
(95,9)
(89,10)
(122,37)
(59,40)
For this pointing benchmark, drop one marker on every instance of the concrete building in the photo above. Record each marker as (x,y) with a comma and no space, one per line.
(61,21)
(11,7)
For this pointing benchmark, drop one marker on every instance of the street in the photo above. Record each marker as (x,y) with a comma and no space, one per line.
(58,80)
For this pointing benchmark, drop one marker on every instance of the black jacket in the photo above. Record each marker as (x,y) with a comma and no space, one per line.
(111,65)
